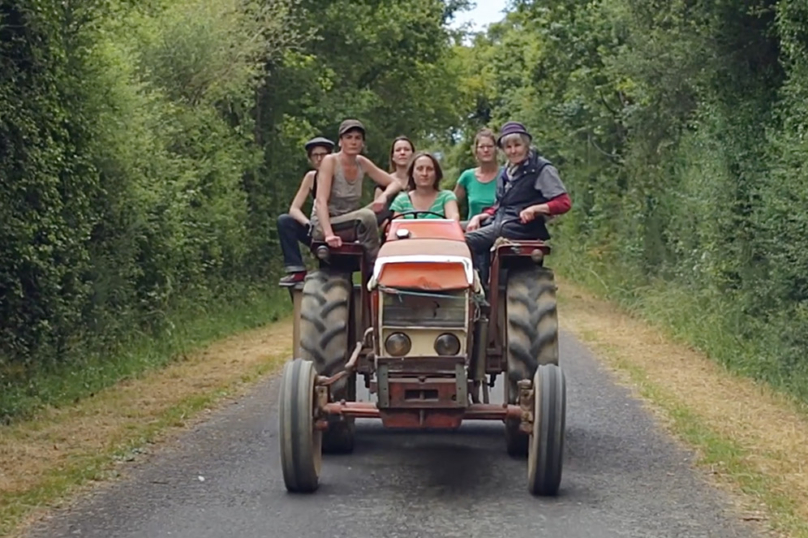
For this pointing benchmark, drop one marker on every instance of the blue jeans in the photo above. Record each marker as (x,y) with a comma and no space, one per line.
(291,233)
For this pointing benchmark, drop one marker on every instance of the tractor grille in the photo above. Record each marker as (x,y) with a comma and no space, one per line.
(422,309)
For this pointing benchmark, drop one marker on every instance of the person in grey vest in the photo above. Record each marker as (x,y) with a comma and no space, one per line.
(338,206)
(529,190)
(295,227)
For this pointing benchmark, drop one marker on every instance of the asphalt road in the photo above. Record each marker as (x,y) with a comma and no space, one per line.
(622,477)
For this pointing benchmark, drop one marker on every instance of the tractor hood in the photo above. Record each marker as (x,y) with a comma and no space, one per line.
(425,264)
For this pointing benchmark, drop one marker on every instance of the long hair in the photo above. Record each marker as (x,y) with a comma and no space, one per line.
(393,147)
(411,170)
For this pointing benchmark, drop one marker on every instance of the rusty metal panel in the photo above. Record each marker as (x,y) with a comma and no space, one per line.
(422,419)
(297,298)
(382,385)
(422,364)
(423,393)
(462,385)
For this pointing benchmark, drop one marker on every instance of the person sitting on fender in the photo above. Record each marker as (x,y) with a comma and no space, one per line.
(337,205)
(295,227)
(529,188)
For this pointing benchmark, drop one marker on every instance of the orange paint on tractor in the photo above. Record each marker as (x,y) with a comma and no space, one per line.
(424,276)
(408,271)
(426,229)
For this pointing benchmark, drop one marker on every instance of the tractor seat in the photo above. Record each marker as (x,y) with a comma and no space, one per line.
(349,243)
(348,235)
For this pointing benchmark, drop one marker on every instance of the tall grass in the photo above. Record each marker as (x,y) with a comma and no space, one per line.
(713,323)
(190,326)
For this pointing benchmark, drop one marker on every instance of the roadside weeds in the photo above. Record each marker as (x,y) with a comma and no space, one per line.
(751,440)
(61,451)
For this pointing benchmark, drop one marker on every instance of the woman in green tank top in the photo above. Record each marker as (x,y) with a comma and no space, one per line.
(479,185)
(423,191)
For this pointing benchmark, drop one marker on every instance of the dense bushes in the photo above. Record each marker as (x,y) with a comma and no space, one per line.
(678,126)
(147,147)
(126,133)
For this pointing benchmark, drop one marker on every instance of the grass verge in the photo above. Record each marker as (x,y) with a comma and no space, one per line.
(64,449)
(752,440)
(728,326)
(189,328)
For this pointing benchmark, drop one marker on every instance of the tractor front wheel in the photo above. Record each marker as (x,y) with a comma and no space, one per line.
(546,450)
(301,443)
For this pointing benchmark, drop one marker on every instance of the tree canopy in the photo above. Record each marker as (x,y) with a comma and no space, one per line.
(146,149)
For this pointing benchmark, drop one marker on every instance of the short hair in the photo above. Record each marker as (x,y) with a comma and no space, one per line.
(411,170)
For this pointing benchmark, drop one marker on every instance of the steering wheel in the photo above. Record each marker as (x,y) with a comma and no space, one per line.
(404,214)
(418,212)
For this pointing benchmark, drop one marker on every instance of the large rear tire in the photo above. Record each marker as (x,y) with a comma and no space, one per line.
(546,454)
(532,336)
(324,340)
(340,435)
(301,443)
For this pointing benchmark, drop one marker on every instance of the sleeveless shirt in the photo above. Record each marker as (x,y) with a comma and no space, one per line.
(345,196)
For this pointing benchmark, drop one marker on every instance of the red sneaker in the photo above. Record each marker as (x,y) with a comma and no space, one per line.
(292,278)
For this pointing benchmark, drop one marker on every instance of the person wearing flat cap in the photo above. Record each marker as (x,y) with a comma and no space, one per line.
(295,227)
(337,204)
(529,191)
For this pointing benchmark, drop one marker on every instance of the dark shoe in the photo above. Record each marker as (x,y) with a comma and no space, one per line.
(292,279)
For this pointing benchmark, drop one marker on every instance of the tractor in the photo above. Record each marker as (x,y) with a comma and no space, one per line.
(429,342)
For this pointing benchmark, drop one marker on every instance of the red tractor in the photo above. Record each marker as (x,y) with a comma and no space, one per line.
(428,344)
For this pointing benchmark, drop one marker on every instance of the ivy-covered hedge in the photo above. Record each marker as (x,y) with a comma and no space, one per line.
(680,129)
(147,147)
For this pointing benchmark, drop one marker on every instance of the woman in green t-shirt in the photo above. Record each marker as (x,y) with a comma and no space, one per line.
(424,192)
(479,185)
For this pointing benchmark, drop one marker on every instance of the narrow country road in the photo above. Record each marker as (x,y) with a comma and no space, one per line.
(622,477)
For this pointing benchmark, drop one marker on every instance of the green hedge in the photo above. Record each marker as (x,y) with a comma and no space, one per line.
(146,149)
(679,128)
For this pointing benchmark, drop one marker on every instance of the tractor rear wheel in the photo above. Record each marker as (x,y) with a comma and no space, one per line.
(301,443)
(532,337)
(546,454)
(324,340)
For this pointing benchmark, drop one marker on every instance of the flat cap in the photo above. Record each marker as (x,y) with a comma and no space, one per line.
(350,125)
(319,141)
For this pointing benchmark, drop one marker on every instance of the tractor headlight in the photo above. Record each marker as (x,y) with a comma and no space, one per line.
(398,344)
(447,344)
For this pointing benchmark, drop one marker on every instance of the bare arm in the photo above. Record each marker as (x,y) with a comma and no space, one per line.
(382,178)
(324,179)
(451,210)
(460,192)
(295,209)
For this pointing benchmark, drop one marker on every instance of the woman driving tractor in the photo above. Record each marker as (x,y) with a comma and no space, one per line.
(424,193)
